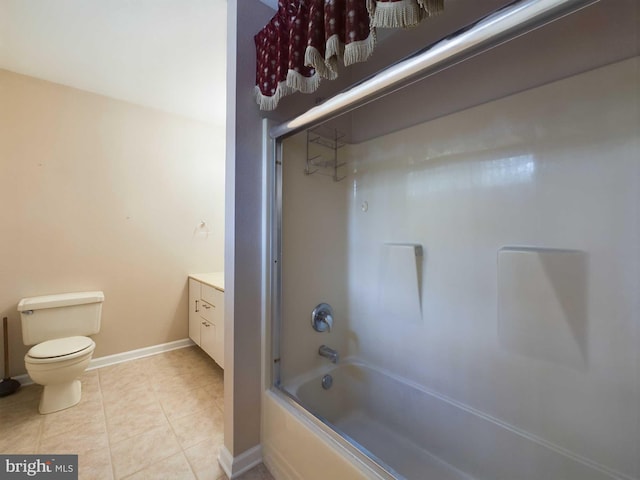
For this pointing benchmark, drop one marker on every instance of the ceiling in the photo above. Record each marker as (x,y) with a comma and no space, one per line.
(165,54)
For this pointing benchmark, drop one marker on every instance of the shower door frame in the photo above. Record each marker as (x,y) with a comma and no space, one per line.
(508,23)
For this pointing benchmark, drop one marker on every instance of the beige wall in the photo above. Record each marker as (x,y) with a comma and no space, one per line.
(101,194)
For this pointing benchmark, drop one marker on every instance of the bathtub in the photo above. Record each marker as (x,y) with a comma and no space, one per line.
(428,436)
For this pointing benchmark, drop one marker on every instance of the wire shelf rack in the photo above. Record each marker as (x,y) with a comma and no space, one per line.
(322,153)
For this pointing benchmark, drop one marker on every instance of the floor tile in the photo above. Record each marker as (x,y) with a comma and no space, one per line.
(179,404)
(119,398)
(77,441)
(95,464)
(187,381)
(198,427)
(174,467)
(20,439)
(203,458)
(141,451)
(135,421)
(120,376)
(84,416)
(158,417)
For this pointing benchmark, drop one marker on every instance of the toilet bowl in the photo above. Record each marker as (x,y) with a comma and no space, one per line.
(57,326)
(57,365)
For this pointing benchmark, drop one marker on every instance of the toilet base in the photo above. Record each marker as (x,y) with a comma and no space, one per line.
(60,396)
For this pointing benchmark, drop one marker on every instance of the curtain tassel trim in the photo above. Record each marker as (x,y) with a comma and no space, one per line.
(432,7)
(297,81)
(270,102)
(401,14)
(360,51)
(313,58)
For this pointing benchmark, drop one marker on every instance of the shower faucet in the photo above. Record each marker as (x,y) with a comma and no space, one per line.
(322,318)
(329,353)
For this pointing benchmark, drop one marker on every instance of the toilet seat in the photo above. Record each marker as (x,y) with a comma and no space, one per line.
(60,349)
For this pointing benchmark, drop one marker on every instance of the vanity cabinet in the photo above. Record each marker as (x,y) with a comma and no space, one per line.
(206,314)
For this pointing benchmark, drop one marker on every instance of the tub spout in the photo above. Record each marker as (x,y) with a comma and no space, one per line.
(329,353)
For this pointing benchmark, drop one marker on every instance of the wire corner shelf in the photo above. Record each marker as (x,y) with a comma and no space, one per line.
(323,145)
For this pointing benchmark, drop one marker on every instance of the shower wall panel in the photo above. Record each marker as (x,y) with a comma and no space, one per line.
(527,213)
(314,261)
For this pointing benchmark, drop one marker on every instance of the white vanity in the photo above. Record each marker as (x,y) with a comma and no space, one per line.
(206,313)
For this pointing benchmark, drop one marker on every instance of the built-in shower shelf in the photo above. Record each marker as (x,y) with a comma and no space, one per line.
(322,153)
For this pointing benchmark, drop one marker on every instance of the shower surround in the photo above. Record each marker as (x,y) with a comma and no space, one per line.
(487,260)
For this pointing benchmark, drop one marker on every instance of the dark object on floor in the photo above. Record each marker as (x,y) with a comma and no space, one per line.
(8,385)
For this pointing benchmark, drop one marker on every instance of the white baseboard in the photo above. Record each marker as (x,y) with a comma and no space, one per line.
(139,353)
(236,466)
(124,356)
(24,379)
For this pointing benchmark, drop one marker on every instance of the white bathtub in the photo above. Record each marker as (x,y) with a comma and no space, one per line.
(417,434)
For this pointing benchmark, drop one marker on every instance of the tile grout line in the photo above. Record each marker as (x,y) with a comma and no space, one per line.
(106,426)
(155,395)
(155,392)
(182,449)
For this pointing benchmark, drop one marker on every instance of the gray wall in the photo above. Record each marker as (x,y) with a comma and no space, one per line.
(242,227)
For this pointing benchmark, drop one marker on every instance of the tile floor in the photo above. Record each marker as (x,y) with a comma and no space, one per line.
(158,417)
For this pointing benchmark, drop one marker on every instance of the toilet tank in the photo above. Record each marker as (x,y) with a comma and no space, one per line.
(63,315)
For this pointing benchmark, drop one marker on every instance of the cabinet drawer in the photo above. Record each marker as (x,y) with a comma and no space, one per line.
(209,336)
(207,311)
(210,294)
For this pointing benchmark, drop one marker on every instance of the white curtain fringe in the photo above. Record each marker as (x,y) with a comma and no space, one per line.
(406,13)
(360,51)
(268,103)
(333,53)
(313,58)
(432,7)
(301,83)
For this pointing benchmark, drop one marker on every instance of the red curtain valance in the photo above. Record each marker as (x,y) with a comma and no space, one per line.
(307,39)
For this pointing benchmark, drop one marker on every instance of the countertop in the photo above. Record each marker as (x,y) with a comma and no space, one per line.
(214,279)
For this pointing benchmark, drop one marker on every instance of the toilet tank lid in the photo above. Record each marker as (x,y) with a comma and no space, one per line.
(60,300)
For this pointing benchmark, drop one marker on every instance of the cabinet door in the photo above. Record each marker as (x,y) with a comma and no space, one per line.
(194,310)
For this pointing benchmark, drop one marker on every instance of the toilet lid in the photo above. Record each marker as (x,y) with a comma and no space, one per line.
(60,347)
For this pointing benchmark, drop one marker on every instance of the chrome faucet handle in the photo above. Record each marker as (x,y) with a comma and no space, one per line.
(328,320)
(322,318)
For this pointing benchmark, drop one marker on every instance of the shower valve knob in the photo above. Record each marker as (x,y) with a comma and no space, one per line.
(322,318)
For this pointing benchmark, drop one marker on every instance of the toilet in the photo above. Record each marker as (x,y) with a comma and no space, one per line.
(58,327)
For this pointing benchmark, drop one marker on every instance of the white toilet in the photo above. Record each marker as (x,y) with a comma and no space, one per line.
(57,326)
